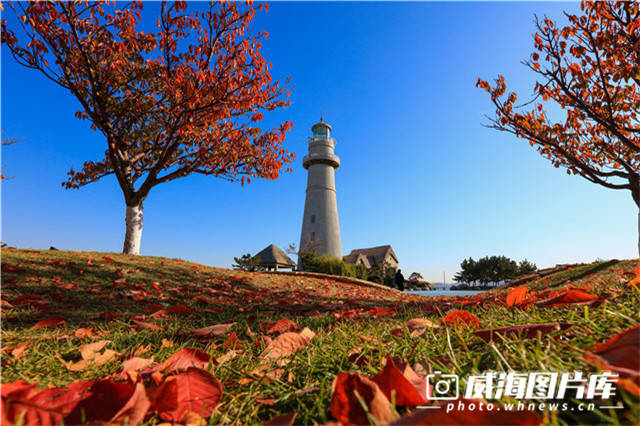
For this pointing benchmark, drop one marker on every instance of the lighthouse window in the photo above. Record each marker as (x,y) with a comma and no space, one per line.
(313,236)
(313,218)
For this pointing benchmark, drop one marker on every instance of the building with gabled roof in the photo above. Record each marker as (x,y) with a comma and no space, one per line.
(372,255)
(272,257)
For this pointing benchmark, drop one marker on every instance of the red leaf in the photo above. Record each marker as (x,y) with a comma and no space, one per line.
(134,411)
(183,309)
(345,406)
(111,402)
(408,394)
(287,344)
(141,325)
(40,406)
(397,332)
(184,359)
(194,390)
(420,323)
(283,326)
(16,351)
(108,259)
(86,332)
(357,357)
(527,331)
(381,312)
(620,354)
(517,296)
(461,317)
(213,330)
(131,366)
(49,322)
(570,297)
(232,341)
(444,416)
(109,315)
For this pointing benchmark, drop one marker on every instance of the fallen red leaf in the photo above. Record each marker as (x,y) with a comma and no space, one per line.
(131,366)
(134,411)
(40,406)
(287,344)
(420,323)
(461,317)
(357,357)
(397,332)
(283,326)
(418,326)
(408,393)
(232,342)
(141,325)
(620,354)
(526,331)
(49,322)
(86,332)
(111,402)
(517,296)
(183,309)
(109,315)
(194,390)
(213,330)
(370,339)
(570,297)
(16,351)
(381,312)
(108,259)
(184,359)
(346,407)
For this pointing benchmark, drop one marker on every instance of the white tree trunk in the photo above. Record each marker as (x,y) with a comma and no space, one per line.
(134,230)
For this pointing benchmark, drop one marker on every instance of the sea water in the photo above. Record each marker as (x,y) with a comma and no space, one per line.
(445,292)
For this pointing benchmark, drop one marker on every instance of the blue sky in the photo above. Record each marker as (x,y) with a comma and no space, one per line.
(397,83)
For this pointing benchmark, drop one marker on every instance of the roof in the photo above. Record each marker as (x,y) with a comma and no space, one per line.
(357,258)
(274,255)
(373,254)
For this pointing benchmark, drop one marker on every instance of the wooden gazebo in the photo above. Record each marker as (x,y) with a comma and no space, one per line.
(272,257)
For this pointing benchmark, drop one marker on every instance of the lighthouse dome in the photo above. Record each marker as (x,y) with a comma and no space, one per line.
(321,129)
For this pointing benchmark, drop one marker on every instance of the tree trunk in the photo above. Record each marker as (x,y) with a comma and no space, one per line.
(134,230)
(635,194)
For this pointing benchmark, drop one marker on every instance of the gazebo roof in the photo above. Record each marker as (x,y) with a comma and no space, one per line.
(273,255)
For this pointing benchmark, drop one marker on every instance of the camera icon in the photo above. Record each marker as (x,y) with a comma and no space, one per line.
(443,386)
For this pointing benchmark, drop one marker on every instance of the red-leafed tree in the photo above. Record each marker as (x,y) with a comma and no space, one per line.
(591,69)
(186,98)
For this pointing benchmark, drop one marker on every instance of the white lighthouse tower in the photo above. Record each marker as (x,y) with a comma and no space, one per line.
(320,226)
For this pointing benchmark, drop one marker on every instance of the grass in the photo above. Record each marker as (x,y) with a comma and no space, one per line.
(80,286)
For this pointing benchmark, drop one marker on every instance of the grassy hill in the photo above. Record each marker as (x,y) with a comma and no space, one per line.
(54,302)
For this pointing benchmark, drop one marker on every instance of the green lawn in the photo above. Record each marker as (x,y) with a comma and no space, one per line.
(105,291)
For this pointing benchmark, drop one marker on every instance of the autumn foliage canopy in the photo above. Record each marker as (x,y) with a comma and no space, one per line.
(184,99)
(591,69)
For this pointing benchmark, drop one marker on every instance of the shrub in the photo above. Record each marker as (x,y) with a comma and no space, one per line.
(381,273)
(332,265)
(247,263)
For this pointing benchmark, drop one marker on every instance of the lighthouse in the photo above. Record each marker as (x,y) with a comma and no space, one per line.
(320,226)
